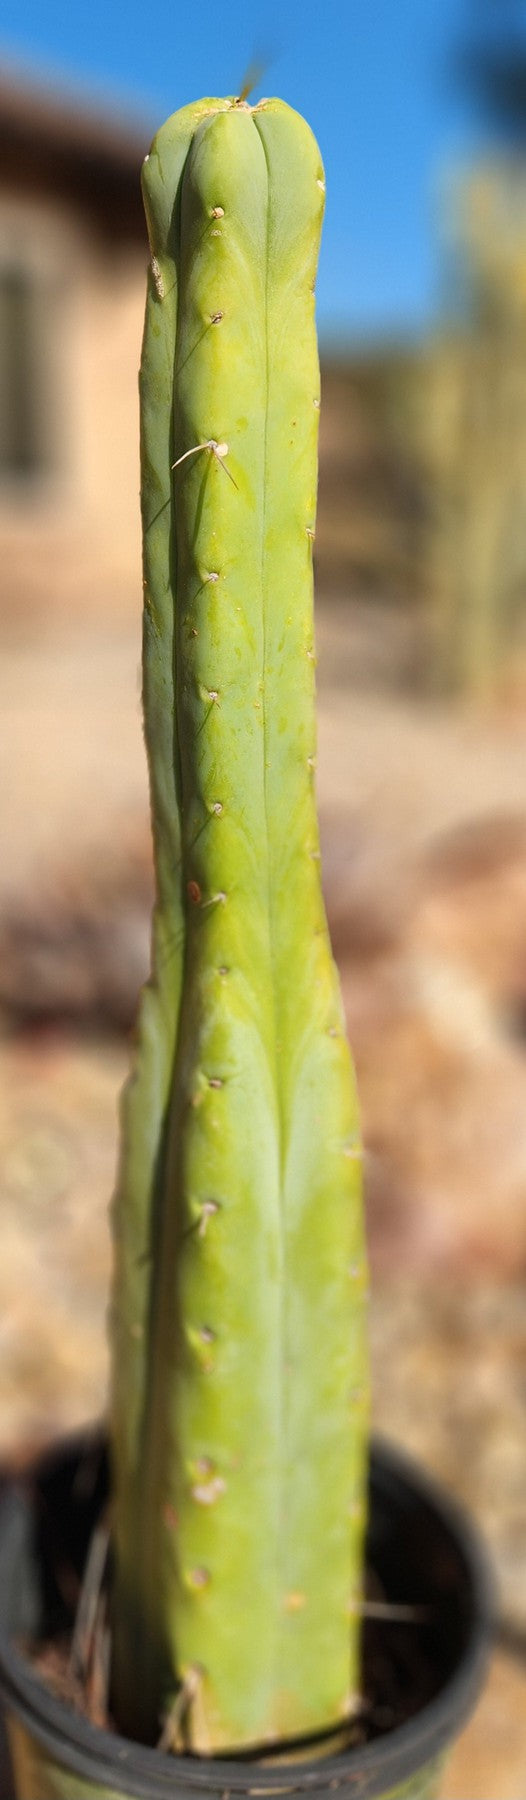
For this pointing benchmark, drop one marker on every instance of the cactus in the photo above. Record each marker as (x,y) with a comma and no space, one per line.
(239,1384)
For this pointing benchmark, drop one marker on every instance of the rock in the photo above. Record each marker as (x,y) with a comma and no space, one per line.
(77,946)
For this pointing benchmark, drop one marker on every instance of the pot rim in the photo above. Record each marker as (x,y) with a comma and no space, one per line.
(105,1757)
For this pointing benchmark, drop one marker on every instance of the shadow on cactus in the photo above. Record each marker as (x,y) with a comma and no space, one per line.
(239,1416)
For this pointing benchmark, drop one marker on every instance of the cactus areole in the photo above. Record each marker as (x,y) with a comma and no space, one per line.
(239,1368)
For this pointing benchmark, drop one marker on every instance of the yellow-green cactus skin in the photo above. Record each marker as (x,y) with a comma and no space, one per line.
(240,1383)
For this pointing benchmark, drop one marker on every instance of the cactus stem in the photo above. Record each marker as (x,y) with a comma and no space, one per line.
(267,1404)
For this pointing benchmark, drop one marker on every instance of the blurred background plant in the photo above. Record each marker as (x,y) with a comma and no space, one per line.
(421,630)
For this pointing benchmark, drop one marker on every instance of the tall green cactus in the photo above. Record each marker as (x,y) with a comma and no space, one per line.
(239,1390)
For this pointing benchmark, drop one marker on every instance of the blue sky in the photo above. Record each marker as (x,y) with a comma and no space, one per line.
(370,75)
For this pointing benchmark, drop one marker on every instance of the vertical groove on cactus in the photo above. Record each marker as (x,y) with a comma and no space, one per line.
(282,1270)
(238,1332)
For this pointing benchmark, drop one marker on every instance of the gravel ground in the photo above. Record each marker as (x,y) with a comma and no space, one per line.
(434,969)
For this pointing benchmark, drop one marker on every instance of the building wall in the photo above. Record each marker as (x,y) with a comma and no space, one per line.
(69,524)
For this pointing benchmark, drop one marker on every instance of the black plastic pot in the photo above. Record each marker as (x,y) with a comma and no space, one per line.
(426,1557)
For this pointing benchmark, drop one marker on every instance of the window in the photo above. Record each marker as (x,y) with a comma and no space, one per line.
(39,258)
(22,441)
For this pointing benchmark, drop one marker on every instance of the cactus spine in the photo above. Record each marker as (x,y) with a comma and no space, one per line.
(239,1391)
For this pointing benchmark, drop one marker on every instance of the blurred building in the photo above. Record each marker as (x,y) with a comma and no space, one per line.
(72,260)
(422,495)
(476,437)
(372,506)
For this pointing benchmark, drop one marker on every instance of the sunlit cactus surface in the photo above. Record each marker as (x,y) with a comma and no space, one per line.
(239,1369)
